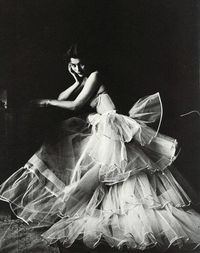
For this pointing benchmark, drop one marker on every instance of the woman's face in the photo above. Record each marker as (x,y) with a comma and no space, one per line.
(77,66)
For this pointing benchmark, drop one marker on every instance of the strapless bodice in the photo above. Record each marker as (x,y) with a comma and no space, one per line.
(102,103)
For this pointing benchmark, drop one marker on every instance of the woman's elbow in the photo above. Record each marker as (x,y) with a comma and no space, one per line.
(61,96)
(77,106)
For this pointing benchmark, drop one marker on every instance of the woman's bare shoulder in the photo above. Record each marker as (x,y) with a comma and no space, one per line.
(99,79)
(94,74)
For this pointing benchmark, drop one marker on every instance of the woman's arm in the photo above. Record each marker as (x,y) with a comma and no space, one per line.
(91,85)
(66,93)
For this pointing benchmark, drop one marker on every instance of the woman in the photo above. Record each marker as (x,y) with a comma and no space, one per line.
(105,177)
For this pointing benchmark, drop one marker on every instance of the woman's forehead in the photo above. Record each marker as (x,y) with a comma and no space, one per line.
(75,60)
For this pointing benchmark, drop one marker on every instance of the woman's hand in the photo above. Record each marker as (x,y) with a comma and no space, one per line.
(76,77)
(40,102)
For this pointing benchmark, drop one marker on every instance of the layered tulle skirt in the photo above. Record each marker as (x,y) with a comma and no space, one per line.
(138,203)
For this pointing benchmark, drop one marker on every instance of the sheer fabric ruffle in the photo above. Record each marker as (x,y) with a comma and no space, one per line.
(141,212)
(138,202)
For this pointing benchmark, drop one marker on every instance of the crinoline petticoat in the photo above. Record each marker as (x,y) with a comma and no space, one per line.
(138,202)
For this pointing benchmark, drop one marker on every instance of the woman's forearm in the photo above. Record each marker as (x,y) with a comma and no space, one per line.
(70,105)
(66,93)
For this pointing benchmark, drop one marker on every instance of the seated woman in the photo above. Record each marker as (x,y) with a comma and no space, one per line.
(104,177)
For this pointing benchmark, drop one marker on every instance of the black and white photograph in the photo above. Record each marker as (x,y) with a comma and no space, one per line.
(99,126)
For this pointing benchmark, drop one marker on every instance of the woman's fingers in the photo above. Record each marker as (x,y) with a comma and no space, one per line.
(69,67)
(39,102)
(76,77)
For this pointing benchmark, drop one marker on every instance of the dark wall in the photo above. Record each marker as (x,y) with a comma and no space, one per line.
(145,45)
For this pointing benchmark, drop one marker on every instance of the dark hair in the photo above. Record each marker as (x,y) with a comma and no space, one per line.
(81,50)
(75,51)
(84,51)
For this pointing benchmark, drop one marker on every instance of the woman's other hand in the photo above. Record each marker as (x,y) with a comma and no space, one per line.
(40,102)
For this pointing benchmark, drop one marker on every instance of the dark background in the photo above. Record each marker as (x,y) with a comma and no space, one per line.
(146,46)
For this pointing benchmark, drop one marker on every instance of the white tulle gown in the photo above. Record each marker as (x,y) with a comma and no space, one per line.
(137,204)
